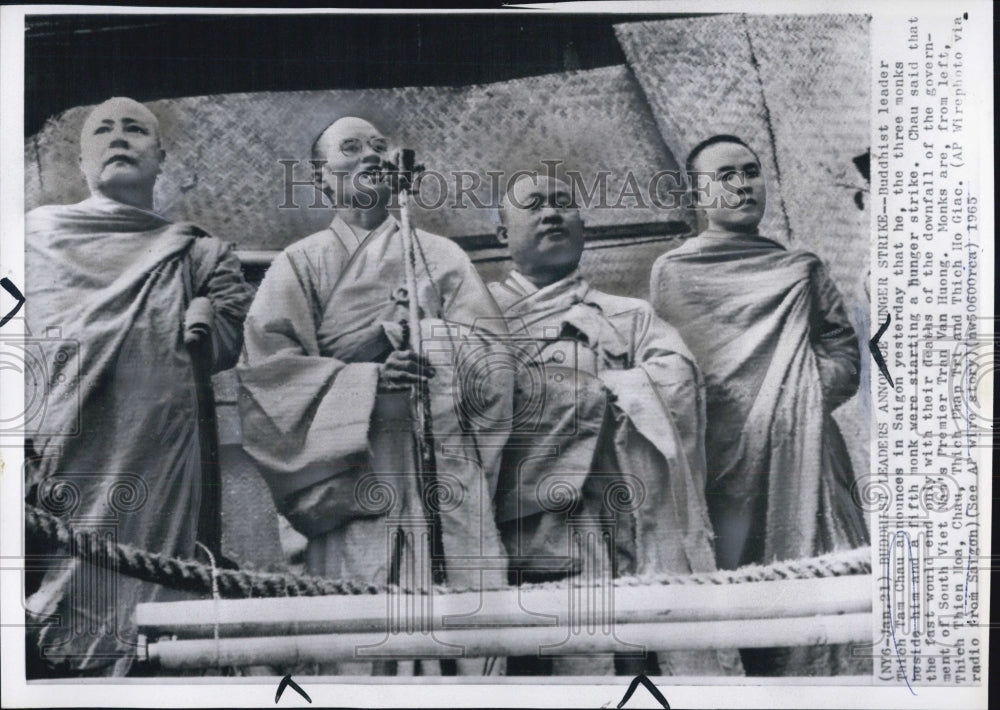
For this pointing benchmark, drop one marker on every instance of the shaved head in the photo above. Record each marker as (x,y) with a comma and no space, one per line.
(735,194)
(120,152)
(340,128)
(124,106)
(349,166)
(542,228)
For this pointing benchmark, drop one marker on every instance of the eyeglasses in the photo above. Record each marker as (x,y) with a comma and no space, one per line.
(352,147)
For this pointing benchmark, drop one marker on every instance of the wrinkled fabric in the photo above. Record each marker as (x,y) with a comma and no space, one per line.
(117,442)
(615,447)
(778,353)
(771,335)
(339,456)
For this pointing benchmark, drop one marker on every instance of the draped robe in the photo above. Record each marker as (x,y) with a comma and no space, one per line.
(340,456)
(117,436)
(778,352)
(618,426)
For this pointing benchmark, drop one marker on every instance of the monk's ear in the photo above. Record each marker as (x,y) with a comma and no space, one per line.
(320,187)
(502,235)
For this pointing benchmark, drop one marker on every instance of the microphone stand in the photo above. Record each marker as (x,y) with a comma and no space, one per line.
(420,399)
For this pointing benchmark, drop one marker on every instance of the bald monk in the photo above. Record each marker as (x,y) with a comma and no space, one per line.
(130,292)
(621,409)
(326,389)
(779,355)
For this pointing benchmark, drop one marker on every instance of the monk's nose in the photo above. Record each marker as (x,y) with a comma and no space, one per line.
(370,155)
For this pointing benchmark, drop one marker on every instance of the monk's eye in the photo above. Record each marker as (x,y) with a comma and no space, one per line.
(536,202)
(753,172)
(563,200)
(350,147)
(102,129)
(132,128)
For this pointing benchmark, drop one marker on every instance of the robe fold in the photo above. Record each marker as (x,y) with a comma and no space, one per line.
(611,436)
(340,456)
(117,442)
(778,352)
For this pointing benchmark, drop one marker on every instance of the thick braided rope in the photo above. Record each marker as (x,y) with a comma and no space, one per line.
(192,576)
(185,575)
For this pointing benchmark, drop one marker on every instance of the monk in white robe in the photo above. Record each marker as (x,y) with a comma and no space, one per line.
(326,403)
(125,292)
(616,451)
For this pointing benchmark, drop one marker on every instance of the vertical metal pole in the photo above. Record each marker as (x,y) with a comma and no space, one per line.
(420,400)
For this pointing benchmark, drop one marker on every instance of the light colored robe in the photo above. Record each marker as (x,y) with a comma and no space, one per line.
(779,354)
(338,455)
(107,288)
(617,401)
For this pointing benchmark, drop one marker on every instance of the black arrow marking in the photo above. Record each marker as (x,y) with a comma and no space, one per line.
(648,685)
(287,682)
(12,290)
(877,354)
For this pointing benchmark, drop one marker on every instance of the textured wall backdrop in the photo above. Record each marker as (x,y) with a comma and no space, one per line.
(222,167)
(796,88)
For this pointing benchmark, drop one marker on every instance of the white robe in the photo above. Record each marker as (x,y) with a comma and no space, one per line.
(338,455)
(620,426)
